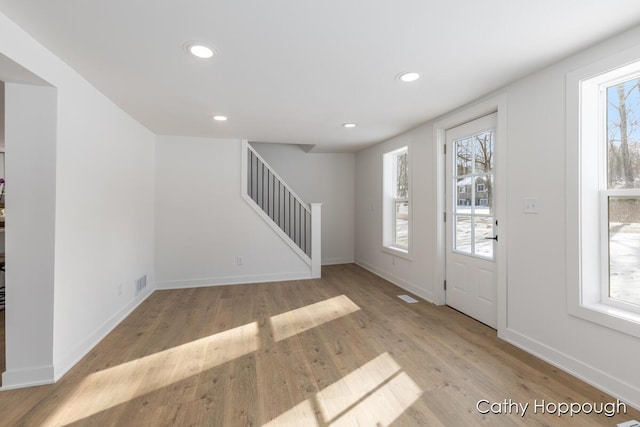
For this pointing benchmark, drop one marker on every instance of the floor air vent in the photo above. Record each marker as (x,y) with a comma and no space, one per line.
(141,283)
(407,298)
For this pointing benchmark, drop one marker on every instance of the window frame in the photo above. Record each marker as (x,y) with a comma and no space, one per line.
(586,223)
(390,201)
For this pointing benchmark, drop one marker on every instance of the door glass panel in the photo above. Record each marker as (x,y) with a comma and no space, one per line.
(473,194)
(483,145)
(464,156)
(463,233)
(483,200)
(624,247)
(463,195)
(483,229)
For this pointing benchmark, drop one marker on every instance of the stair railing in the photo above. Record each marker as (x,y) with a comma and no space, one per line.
(297,222)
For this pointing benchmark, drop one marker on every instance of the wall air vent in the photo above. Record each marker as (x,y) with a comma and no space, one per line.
(141,283)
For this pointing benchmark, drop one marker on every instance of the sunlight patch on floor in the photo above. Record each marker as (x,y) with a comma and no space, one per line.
(384,405)
(119,384)
(293,322)
(342,394)
(375,394)
(300,415)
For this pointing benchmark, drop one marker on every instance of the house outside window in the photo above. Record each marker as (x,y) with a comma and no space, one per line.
(397,215)
(606,143)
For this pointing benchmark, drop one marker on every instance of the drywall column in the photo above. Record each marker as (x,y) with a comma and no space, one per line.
(316,240)
(30,138)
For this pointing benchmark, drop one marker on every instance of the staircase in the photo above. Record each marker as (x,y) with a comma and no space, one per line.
(295,221)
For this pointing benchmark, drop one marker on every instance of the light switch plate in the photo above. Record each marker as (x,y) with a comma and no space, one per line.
(530,205)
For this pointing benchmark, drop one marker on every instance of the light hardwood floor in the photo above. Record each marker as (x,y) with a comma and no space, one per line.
(341,350)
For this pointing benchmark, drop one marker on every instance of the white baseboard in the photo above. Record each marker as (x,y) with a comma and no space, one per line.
(21,378)
(81,350)
(407,286)
(335,261)
(627,393)
(232,280)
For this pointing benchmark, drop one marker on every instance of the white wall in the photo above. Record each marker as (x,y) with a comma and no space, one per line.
(537,288)
(30,236)
(324,178)
(203,224)
(416,273)
(103,227)
(536,308)
(104,218)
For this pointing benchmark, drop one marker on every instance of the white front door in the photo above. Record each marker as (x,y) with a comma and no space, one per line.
(471,227)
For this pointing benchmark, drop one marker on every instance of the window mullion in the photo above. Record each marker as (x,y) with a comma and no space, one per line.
(473,195)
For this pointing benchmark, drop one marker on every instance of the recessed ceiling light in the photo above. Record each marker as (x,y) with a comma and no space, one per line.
(200,50)
(220,118)
(408,77)
(349,125)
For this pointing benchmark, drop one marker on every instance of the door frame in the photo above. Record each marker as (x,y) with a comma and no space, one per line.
(497,104)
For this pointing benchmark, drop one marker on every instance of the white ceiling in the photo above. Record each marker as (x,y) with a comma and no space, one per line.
(293,71)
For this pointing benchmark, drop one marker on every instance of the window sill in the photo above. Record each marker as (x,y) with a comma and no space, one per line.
(612,317)
(401,253)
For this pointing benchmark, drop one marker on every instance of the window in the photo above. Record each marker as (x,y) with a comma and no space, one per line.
(620,192)
(396,200)
(603,168)
(480,188)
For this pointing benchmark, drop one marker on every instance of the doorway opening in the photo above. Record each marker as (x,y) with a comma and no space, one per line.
(478,196)
(471,227)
